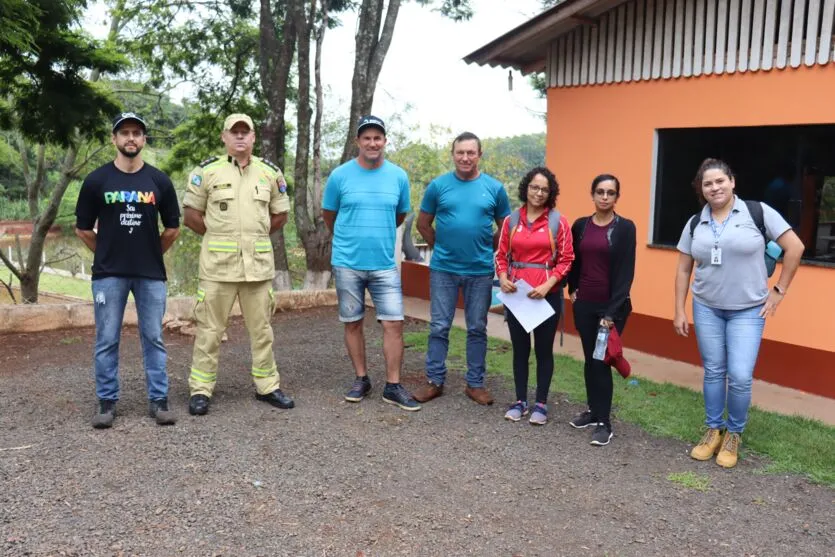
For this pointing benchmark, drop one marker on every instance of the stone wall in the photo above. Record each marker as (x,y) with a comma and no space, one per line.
(47,317)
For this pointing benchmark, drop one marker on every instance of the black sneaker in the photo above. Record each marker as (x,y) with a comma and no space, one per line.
(158,409)
(602,435)
(360,388)
(396,394)
(583,420)
(105,414)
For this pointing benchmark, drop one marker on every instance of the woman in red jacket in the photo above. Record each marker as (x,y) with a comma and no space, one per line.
(542,257)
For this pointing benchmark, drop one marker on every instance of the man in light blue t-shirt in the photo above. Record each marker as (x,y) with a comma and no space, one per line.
(365,200)
(463,204)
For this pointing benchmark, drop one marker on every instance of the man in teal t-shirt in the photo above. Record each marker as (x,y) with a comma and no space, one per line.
(463,204)
(365,200)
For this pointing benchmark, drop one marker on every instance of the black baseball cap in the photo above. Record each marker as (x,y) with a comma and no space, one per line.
(123,117)
(370,120)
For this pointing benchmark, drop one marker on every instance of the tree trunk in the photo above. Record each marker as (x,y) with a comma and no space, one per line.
(320,107)
(309,224)
(30,275)
(371,49)
(275,62)
(281,279)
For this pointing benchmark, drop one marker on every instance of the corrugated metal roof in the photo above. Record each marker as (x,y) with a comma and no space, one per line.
(524,47)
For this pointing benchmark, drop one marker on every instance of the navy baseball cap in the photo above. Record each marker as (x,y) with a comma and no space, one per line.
(372,121)
(123,117)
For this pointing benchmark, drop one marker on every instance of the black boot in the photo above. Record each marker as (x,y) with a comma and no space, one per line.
(277,399)
(198,405)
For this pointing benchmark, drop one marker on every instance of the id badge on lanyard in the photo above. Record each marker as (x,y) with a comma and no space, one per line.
(716,251)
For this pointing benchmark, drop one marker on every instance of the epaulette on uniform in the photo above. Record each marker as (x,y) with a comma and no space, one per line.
(268,163)
(207,162)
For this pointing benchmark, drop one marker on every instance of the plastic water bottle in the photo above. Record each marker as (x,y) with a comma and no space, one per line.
(601,343)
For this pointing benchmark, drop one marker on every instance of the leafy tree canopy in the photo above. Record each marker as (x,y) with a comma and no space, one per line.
(44,91)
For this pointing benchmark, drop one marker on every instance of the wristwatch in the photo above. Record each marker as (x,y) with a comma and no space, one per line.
(779,290)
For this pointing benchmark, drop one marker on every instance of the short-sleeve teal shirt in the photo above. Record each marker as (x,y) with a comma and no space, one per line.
(464,211)
(366,203)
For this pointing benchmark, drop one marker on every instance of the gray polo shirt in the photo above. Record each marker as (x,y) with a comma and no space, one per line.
(741,281)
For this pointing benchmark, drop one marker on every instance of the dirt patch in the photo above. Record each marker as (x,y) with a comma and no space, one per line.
(333,478)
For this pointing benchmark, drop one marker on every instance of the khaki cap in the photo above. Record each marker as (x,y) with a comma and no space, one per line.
(233,119)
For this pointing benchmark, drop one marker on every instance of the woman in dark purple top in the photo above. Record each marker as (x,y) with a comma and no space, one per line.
(598,285)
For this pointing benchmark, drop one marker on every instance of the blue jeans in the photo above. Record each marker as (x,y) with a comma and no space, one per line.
(110,295)
(729,341)
(383,285)
(443,294)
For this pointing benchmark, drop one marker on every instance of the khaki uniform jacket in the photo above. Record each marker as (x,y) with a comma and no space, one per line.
(237,204)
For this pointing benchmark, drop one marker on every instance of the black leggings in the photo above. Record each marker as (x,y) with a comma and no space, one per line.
(598,375)
(543,337)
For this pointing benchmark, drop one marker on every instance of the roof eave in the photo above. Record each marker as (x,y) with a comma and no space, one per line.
(534,34)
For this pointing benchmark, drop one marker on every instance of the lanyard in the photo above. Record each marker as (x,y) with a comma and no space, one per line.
(717,232)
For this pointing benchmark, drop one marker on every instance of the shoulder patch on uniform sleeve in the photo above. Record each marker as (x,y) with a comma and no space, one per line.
(207,162)
(196,180)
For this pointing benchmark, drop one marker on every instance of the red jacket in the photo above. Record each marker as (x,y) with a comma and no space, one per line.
(533,245)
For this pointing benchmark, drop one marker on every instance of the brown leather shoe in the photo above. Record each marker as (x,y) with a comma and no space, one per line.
(427,392)
(480,395)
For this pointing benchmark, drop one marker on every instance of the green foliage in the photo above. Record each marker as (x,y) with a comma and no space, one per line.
(198,136)
(508,159)
(539,84)
(457,10)
(11,175)
(189,42)
(18,20)
(422,163)
(156,107)
(66,210)
(46,77)
(182,263)
(792,444)
(15,209)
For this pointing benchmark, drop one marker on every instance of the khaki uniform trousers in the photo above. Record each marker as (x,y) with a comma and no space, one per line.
(214,302)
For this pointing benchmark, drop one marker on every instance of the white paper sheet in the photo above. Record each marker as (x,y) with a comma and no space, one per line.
(529,312)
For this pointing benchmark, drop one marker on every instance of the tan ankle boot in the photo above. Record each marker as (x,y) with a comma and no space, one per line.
(708,446)
(729,452)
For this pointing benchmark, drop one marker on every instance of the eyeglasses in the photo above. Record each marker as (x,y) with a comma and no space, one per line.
(535,189)
(610,193)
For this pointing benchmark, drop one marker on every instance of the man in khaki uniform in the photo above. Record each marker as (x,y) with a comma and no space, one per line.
(235,201)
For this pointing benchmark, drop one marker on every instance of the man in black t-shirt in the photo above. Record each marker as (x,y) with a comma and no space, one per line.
(128,198)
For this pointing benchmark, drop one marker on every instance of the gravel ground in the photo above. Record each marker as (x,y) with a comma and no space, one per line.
(333,478)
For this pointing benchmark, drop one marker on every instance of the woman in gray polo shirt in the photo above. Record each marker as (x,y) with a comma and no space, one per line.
(731,300)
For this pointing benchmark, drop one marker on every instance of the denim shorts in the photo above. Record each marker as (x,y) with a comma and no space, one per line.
(384,287)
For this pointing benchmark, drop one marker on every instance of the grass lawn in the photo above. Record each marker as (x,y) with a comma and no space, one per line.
(791,444)
(67,286)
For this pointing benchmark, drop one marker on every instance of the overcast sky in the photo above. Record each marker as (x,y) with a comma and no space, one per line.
(424,70)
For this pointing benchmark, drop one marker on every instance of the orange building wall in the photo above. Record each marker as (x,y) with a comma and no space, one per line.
(610,128)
